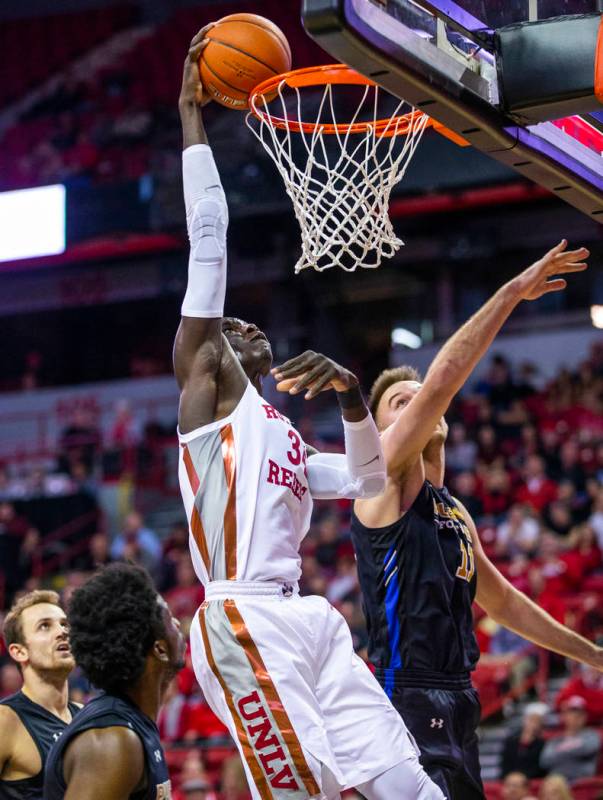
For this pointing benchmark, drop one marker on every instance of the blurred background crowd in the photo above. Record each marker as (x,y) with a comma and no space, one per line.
(525,456)
(88,454)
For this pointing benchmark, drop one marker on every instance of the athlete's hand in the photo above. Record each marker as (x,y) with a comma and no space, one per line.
(313,372)
(539,279)
(192,89)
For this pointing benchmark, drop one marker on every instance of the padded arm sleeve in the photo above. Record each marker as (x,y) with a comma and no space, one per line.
(359,473)
(206,222)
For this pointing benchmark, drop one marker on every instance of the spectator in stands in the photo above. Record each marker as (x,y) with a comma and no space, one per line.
(571,468)
(465,490)
(516,786)
(187,595)
(573,754)
(80,441)
(529,441)
(596,518)
(345,580)
(137,543)
(513,650)
(536,490)
(124,430)
(521,751)
(82,480)
(197,789)
(555,787)
(498,385)
(13,530)
(99,552)
(172,718)
(496,493)
(233,783)
(193,773)
(175,545)
(461,453)
(488,450)
(587,683)
(558,517)
(560,572)
(519,533)
(329,537)
(584,548)
(30,554)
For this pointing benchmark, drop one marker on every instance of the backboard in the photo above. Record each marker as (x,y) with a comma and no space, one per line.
(439,56)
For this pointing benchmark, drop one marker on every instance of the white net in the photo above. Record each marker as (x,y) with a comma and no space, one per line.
(340,183)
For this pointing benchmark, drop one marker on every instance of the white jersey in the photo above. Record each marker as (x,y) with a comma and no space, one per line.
(244,485)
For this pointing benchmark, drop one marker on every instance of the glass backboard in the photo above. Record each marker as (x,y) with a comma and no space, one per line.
(439,55)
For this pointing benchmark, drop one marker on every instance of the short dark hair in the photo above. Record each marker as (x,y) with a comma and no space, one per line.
(387,378)
(114,618)
(237,322)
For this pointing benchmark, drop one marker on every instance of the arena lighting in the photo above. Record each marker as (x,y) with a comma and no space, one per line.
(32,222)
(596,315)
(404,337)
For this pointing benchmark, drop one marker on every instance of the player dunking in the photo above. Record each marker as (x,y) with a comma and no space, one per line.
(35,632)
(129,646)
(279,670)
(420,561)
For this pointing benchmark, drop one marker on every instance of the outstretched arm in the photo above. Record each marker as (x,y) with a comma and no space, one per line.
(361,471)
(404,441)
(513,609)
(199,346)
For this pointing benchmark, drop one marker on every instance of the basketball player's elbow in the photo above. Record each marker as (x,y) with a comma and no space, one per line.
(369,486)
(442,382)
(496,597)
(207,228)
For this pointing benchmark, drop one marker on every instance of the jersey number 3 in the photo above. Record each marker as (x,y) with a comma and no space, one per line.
(467,568)
(297,454)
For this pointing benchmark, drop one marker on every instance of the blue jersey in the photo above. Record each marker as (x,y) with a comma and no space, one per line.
(418,582)
(107,711)
(44,728)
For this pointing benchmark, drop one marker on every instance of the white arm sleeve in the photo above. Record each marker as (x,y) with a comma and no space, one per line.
(358,473)
(206,222)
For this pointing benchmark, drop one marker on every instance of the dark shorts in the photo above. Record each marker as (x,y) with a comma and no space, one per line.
(444,723)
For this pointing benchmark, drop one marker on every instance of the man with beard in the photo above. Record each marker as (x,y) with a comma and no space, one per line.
(31,720)
(130,647)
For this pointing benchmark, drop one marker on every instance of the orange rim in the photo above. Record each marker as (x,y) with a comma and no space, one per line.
(335,74)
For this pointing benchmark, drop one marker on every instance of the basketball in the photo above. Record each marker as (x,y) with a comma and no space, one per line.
(244,50)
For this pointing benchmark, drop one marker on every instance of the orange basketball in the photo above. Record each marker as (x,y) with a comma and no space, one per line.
(245,49)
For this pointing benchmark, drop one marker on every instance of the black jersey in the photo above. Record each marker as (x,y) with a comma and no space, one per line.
(418,582)
(44,728)
(107,711)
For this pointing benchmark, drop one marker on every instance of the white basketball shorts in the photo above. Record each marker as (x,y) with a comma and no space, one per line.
(280,671)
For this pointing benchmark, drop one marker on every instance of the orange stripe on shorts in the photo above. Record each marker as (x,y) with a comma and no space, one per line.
(230,512)
(252,762)
(190,469)
(274,702)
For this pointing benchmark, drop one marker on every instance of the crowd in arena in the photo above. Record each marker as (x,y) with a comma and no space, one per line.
(117,121)
(525,457)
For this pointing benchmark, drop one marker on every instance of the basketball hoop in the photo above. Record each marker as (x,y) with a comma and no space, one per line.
(340,195)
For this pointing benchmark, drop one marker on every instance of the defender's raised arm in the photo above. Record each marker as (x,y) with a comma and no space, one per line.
(404,441)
